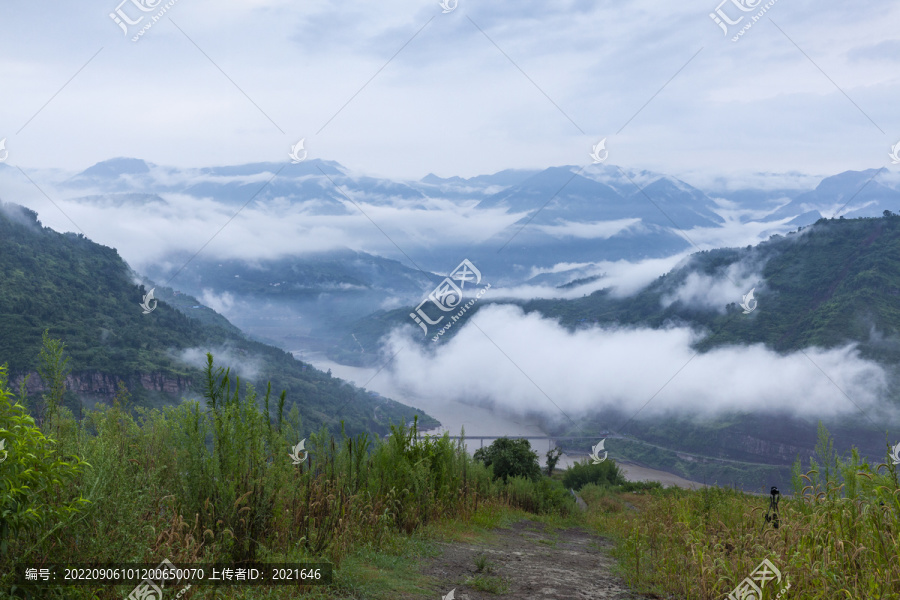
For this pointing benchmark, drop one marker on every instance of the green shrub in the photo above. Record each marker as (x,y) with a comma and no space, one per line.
(542,496)
(489,583)
(582,473)
(483,565)
(641,486)
(31,475)
(510,458)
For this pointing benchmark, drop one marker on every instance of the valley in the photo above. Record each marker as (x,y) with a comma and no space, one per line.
(450,300)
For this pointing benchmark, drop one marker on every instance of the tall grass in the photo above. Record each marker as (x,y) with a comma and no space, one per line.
(215,482)
(839,535)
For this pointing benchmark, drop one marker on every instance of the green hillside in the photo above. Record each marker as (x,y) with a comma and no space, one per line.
(88,297)
(833,282)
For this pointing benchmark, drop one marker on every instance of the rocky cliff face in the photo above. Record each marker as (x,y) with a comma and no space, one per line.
(161,383)
(102,384)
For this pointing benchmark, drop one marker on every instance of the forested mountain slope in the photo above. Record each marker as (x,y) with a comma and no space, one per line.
(85,295)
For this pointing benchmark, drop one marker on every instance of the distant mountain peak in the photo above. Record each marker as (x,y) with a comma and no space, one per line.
(437,180)
(114,167)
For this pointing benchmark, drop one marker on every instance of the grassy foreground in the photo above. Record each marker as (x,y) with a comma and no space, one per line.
(838,535)
(216,484)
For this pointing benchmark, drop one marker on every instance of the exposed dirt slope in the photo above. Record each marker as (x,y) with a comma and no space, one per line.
(537,563)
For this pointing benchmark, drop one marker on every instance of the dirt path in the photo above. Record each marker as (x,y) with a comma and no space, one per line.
(537,563)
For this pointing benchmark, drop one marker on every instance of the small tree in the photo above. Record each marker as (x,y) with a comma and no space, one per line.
(510,458)
(552,458)
(53,370)
(123,397)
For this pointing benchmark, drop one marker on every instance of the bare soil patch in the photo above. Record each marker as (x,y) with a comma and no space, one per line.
(536,562)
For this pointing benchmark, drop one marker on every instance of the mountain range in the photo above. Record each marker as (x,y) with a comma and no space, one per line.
(552,227)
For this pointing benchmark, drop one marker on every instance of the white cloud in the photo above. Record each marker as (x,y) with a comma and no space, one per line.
(241,364)
(526,364)
(700,290)
(145,233)
(622,278)
(628,278)
(594,230)
(221,303)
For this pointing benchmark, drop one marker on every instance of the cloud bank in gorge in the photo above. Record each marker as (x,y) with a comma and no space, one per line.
(529,364)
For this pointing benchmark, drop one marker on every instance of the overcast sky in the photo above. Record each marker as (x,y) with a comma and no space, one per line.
(399,88)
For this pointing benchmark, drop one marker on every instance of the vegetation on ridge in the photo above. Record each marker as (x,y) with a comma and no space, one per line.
(84,294)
